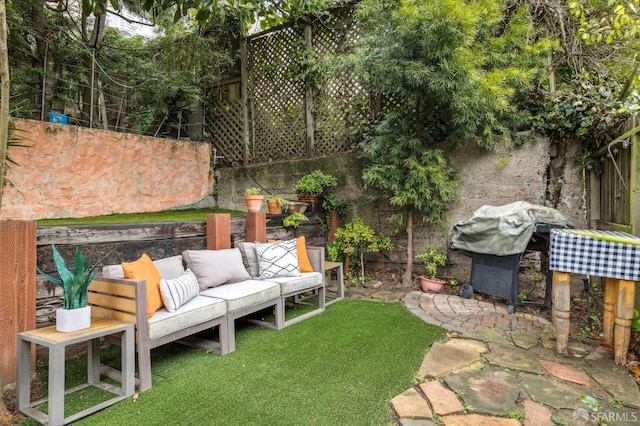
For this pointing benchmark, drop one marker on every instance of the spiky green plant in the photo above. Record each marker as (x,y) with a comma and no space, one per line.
(74,283)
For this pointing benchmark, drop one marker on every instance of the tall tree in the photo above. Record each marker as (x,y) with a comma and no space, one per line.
(4,98)
(448,70)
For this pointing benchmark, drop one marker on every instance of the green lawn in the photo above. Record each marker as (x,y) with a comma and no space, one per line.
(163,216)
(341,367)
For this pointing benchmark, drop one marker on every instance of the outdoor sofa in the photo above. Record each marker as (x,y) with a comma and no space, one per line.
(174,298)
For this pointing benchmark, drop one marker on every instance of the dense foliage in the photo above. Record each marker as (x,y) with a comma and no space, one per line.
(448,72)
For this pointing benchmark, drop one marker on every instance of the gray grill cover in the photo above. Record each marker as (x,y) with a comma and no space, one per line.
(503,230)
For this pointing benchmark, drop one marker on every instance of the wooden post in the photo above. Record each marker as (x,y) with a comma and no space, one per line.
(17,290)
(218,228)
(609,311)
(308,97)
(244,82)
(256,227)
(561,291)
(624,315)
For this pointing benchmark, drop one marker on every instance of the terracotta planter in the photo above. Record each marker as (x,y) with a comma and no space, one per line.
(313,201)
(334,223)
(253,202)
(431,285)
(68,320)
(273,207)
(296,207)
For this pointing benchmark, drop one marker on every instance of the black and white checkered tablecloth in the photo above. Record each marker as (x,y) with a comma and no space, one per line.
(595,252)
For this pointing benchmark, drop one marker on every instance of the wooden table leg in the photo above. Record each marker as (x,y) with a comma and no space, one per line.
(56,384)
(624,316)
(609,311)
(561,291)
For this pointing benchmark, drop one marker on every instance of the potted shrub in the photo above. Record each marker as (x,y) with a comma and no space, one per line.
(275,204)
(433,257)
(312,186)
(74,314)
(253,199)
(354,239)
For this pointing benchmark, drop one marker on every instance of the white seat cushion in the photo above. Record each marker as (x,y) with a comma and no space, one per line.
(292,285)
(196,311)
(244,294)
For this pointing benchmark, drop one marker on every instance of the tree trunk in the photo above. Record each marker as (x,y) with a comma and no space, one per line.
(407,277)
(95,43)
(4,96)
(4,134)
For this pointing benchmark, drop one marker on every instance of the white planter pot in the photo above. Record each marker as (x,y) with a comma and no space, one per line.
(68,320)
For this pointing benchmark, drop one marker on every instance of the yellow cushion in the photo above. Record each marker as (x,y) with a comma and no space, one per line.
(145,269)
(303,257)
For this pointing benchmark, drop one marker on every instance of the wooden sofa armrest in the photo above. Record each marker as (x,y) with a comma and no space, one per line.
(120,299)
(316,256)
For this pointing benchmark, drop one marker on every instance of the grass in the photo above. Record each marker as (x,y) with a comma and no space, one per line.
(340,367)
(163,216)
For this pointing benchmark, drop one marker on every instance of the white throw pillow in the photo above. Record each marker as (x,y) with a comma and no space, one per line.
(178,291)
(249,257)
(278,259)
(216,267)
(113,271)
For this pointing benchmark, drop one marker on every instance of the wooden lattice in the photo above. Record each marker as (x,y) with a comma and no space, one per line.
(341,104)
(225,125)
(277,107)
(278,96)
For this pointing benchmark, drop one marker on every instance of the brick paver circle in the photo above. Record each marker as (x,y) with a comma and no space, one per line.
(456,313)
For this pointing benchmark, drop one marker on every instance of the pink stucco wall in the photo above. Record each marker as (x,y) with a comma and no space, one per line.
(70,171)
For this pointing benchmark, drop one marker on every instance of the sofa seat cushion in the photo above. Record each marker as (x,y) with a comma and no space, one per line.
(307,280)
(244,294)
(196,311)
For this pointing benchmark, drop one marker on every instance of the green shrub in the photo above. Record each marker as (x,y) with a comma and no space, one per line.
(316,182)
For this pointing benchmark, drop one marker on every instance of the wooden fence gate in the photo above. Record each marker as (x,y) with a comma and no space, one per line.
(614,194)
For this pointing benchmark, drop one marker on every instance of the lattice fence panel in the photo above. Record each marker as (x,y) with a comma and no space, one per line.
(342,103)
(225,125)
(277,101)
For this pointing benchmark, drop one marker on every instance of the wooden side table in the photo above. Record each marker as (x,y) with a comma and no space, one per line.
(329,266)
(57,342)
(612,255)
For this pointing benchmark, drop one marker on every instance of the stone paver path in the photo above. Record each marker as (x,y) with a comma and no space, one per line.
(498,368)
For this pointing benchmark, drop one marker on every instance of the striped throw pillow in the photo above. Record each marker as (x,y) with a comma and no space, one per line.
(278,259)
(178,291)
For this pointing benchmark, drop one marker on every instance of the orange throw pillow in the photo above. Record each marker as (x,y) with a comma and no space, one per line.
(303,257)
(145,269)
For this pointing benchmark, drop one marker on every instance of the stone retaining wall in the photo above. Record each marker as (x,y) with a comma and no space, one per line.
(70,171)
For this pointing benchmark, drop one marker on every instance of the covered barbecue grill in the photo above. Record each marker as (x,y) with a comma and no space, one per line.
(497,238)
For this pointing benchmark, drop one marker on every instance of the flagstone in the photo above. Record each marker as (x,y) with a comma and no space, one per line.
(512,357)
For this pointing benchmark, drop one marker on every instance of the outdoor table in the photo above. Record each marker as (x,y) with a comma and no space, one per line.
(612,255)
(328,266)
(57,342)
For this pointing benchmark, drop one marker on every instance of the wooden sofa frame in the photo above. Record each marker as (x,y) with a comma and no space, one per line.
(126,300)
(316,257)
